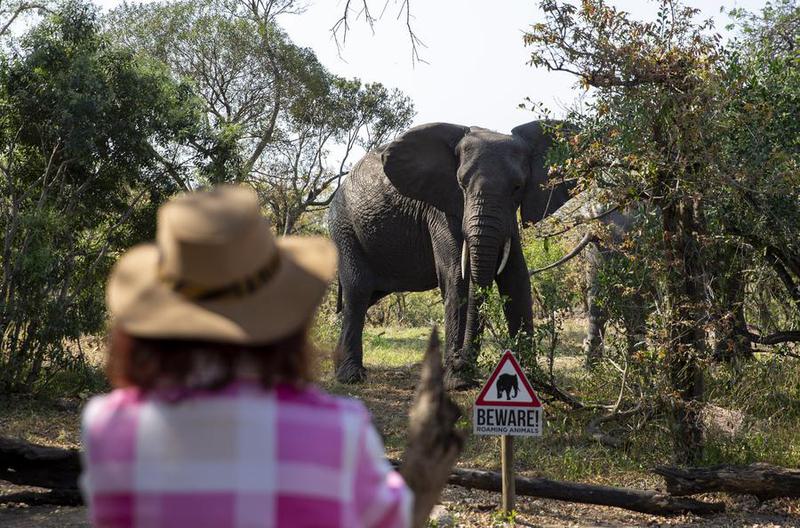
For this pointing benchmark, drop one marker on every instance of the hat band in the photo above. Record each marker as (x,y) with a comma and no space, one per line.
(240,288)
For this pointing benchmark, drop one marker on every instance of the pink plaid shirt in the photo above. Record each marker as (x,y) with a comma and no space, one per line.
(239,457)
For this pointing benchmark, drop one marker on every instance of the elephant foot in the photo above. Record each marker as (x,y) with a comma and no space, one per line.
(458,381)
(351,373)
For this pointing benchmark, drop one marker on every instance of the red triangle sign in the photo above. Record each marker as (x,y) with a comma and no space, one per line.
(508,386)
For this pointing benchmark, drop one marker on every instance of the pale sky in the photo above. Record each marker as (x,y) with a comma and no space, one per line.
(475,71)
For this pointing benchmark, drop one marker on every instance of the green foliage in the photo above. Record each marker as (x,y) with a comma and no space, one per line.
(104,119)
(408,309)
(273,112)
(82,125)
(553,289)
(703,134)
(555,293)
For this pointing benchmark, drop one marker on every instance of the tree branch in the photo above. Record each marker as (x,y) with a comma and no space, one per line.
(786,336)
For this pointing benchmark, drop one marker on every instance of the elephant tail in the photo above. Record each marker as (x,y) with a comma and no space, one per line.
(338,295)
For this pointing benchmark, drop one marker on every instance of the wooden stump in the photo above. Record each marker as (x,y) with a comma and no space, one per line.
(434,443)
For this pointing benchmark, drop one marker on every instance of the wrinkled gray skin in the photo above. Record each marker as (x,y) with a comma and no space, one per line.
(616,224)
(636,306)
(634,309)
(401,217)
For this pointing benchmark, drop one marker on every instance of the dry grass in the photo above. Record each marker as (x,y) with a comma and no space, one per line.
(47,422)
(769,432)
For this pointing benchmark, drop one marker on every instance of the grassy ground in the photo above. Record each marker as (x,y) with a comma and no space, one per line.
(754,414)
(763,397)
(392,357)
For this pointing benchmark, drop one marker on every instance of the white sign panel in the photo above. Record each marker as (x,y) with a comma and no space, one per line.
(507,405)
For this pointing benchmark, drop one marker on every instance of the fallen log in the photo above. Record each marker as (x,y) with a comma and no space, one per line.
(29,464)
(643,501)
(762,480)
(49,467)
(59,497)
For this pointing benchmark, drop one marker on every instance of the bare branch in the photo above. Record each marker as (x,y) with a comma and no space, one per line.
(341,27)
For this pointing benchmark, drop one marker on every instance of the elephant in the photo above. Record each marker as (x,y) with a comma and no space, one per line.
(438,207)
(506,382)
(601,249)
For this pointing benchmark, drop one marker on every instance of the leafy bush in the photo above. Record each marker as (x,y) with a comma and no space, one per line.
(81,126)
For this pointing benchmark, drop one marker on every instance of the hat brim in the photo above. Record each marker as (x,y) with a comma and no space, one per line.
(144,306)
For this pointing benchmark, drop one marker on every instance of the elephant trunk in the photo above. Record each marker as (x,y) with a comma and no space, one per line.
(486,241)
(483,262)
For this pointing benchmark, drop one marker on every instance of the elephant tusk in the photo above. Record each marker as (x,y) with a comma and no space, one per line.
(464,260)
(585,241)
(504,260)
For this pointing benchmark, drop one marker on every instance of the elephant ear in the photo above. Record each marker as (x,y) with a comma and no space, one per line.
(539,200)
(422,165)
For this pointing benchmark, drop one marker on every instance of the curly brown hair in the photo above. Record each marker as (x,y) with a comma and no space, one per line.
(150,363)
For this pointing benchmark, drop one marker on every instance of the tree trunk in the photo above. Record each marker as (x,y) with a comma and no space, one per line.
(686,337)
(762,480)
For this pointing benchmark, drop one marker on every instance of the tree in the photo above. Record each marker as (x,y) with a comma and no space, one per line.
(365,10)
(297,175)
(14,10)
(273,112)
(81,125)
(667,126)
(759,208)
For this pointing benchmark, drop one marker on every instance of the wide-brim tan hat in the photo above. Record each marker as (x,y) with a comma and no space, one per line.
(217,273)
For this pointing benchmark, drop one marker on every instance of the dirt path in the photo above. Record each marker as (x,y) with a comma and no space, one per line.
(477,509)
(44,516)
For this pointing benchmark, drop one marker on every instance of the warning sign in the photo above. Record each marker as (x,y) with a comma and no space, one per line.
(507,404)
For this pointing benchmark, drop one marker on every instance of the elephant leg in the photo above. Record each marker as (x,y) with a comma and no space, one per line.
(731,344)
(457,375)
(349,350)
(460,371)
(743,348)
(446,240)
(593,344)
(454,294)
(635,320)
(514,285)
